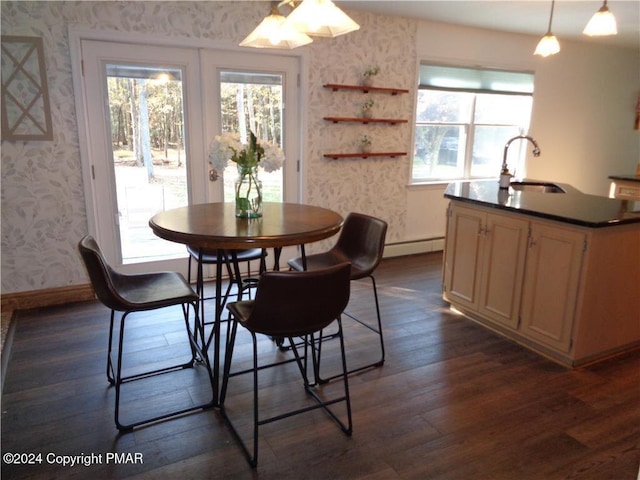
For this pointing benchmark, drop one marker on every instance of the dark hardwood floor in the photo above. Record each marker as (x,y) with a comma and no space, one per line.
(453,401)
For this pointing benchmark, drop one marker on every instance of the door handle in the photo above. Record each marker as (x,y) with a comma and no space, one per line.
(213,175)
(483,231)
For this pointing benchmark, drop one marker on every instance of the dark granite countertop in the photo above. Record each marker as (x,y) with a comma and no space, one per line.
(572,207)
(630,178)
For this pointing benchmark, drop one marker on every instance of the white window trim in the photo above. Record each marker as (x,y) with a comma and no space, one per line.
(427,182)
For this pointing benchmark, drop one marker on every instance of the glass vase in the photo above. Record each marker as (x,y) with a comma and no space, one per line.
(248,193)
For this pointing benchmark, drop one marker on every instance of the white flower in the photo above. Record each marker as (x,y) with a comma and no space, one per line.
(222,149)
(273,157)
(228,146)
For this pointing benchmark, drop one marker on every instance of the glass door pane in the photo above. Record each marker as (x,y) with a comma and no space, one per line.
(149,160)
(251,101)
(143,151)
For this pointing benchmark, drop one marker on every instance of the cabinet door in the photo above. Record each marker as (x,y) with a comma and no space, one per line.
(463,253)
(554,260)
(505,245)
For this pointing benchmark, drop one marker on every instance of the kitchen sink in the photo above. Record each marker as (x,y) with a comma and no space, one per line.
(539,187)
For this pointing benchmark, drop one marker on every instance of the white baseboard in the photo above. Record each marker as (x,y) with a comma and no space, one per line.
(412,248)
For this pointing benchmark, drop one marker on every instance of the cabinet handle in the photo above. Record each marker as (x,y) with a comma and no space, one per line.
(532,242)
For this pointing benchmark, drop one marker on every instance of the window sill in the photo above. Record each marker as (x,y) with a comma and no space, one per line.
(434,185)
(444,183)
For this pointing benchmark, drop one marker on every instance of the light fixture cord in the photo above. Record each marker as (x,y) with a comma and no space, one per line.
(553,2)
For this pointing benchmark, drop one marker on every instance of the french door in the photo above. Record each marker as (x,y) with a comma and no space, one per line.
(237,83)
(151,113)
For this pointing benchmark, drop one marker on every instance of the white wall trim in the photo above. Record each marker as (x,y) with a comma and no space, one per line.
(414,247)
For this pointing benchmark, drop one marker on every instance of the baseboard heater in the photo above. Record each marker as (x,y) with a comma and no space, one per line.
(414,247)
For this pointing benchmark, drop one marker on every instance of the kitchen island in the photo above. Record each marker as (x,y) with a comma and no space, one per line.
(556,272)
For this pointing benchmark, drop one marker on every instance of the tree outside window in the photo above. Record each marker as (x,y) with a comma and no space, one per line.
(460,133)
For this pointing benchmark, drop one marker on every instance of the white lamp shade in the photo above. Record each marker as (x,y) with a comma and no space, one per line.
(273,32)
(548,45)
(602,23)
(320,18)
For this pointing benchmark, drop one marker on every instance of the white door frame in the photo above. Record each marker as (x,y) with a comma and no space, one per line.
(99,160)
(77,35)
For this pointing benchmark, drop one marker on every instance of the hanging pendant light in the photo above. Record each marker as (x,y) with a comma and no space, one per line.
(274,32)
(321,18)
(602,24)
(548,45)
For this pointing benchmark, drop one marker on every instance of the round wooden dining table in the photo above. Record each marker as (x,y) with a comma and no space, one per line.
(214,226)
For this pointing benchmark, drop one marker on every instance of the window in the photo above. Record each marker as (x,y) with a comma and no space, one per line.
(464,118)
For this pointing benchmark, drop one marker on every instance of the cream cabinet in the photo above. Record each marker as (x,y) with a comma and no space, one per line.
(625,189)
(553,261)
(486,262)
(569,292)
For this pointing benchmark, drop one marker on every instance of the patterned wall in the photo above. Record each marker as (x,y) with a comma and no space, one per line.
(43,209)
(376,186)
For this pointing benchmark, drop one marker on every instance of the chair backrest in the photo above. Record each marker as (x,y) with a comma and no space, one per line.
(299,303)
(361,241)
(103,278)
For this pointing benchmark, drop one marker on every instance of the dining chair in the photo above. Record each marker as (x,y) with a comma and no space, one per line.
(231,260)
(361,242)
(126,294)
(291,305)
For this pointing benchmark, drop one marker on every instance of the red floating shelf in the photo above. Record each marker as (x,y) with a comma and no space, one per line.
(391,121)
(362,88)
(336,156)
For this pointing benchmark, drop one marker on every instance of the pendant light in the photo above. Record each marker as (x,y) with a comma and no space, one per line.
(602,24)
(321,18)
(548,45)
(274,32)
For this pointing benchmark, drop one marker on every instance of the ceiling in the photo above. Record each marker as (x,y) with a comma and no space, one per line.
(519,16)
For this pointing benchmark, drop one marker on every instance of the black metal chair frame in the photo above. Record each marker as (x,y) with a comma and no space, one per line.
(376,329)
(231,260)
(105,282)
(306,339)
(338,253)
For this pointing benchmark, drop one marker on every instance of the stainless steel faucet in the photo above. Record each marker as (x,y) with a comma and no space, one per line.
(536,151)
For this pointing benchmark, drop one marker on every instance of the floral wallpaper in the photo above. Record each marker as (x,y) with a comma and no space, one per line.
(375,186)
(43,208)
